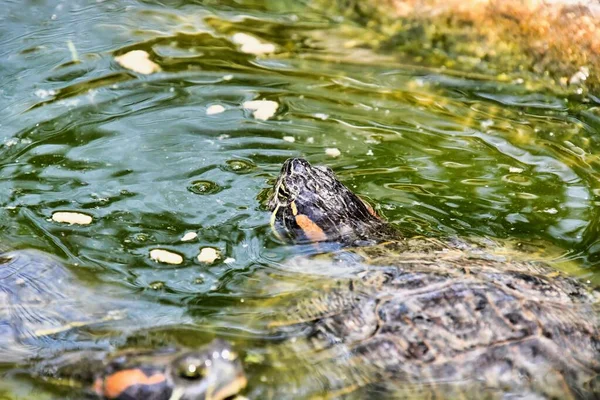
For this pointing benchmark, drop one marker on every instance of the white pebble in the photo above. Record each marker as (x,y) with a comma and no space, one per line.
(215,109)
(251,45)
(290,139)
(72,218)
(165,256)
(263,109)
(333,152)
(43,94)
(487,123)
(208,255)
(137,61)
(189,236)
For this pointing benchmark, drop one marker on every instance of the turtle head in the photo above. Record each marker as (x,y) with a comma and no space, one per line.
(310,204)
(211,373)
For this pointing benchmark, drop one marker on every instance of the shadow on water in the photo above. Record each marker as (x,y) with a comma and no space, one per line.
(438,151)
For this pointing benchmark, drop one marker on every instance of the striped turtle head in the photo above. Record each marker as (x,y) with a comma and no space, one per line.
(211,373)
(309,204)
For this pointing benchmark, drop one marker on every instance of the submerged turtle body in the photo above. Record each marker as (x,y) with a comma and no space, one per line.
(418,317)
(47,324)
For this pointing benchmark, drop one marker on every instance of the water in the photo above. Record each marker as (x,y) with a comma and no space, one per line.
(440,152)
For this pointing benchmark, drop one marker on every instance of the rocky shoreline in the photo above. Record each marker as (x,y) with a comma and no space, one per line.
(556,39)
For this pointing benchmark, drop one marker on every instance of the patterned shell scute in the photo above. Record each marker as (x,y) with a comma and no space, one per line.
(439,315)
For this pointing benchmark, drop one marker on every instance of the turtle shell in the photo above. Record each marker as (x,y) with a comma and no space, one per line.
(436,324)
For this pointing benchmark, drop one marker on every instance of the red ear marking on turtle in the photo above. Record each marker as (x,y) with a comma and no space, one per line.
(311,230)
(114,385)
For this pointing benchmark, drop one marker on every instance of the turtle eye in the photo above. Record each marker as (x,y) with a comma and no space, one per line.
(192,369)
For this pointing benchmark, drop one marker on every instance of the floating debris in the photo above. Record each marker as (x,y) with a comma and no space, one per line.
(290,139)
(165,256)
(208,255)
(251,45)
(333,152)
(138,61)
(71,218)
(73,50)
(189,236)
(157,285)
(215,109)
(263,109)
(580,76)
(44,94)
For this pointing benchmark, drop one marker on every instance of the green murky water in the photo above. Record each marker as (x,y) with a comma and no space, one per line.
(439,153)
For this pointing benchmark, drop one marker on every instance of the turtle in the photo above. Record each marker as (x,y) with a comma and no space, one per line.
(390,315)
(48,322)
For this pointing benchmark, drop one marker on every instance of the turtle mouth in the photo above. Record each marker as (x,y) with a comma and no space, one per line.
(282,196)
(282,201)
(278,203)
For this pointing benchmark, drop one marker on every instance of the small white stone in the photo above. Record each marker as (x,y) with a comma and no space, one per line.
(72,218)
(11,142)
(579,76)
(189,236)
(515,170)
(487,123)
(229,260)
(263,109)
(208,255)
(165,256)
(138,61)
(333,152)
(251,45)
(43,94)
(290,139)
(215,109)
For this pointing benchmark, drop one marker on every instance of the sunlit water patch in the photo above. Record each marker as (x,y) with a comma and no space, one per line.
(154,155)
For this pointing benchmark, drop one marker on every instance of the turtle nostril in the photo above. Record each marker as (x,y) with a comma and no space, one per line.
(298,166)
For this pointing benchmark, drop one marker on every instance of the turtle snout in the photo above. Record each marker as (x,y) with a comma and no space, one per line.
(296,166)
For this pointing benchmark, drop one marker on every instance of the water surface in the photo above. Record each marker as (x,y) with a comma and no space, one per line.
(437,151)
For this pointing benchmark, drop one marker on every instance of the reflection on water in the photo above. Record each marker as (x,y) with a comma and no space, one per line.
(150,160)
